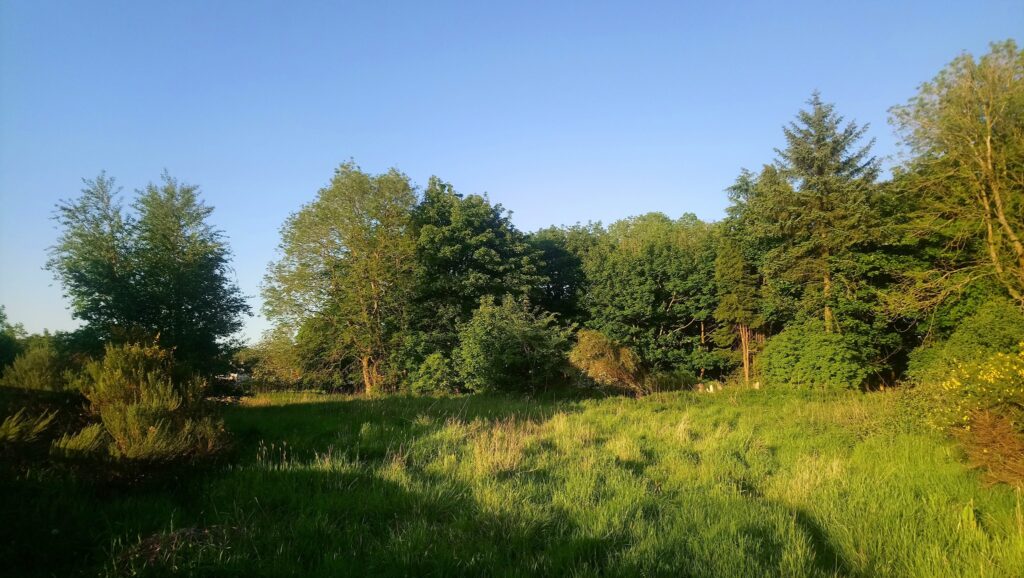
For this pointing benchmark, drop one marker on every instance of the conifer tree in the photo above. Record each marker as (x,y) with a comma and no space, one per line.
(826,208)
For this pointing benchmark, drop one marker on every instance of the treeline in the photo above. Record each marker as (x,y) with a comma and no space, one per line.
(823,274)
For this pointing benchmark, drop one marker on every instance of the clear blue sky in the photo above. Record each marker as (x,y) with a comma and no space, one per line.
(561,111)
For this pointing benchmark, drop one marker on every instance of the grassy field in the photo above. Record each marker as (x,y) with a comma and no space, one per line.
(683,484)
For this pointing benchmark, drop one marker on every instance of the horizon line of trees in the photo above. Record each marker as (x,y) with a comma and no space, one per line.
(822,274)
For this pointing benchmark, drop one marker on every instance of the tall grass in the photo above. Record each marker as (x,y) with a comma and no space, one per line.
(743,484)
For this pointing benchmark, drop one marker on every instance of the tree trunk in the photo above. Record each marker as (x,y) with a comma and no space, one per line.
(826,282)
(370,377)
(702,347)
(745,350)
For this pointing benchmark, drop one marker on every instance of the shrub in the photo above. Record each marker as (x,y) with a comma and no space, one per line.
(997,326)
(992,385)
(806,356)
(608,363)
(510,346)
(145,411)
(37,368)
(23,428)
(89,440)
(434,376)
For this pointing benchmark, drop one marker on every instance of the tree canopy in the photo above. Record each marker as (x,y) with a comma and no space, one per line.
(160,271)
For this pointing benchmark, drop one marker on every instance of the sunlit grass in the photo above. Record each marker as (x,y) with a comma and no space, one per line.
(729,484)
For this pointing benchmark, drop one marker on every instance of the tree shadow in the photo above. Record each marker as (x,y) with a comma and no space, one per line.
(377,510)
(827,558)
(351,424)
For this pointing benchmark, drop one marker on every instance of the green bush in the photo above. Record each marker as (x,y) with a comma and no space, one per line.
(510,346)
(146,412)
(37,368)
(996,326)
(434,376)
(805,356)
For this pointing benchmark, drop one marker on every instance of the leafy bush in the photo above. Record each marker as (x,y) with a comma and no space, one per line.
(983,402)
(146,411)
(996,326)
(434,376)
(606,362)
(510,346)
(805,356)
(993,385)
(37,368)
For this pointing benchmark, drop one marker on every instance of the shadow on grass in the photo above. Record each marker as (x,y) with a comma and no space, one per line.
(353,423)
(290,515)
(828,559)
(304,523)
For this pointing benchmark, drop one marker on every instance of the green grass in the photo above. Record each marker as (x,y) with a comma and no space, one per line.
(727,484)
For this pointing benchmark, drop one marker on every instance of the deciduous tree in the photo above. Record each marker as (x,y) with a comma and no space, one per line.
(348,265)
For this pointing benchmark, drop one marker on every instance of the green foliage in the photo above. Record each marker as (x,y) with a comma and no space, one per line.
(162,271)
(806,356)
(990,384)
(88,441)
(562,251)
(662,381)
(736,285)
(964,184)
(466,249)
(434,376)
(607,363)
(811,237)
(650,287)
(510,346)
(147,410)
(817,207)
(996,326)
(10,346)
(346,275)
(37,368)
(273,362)
(21,427)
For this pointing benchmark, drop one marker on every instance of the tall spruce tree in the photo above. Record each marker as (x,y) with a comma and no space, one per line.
(826,208)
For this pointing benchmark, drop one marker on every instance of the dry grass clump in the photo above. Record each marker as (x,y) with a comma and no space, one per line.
(608,363)
(499,448)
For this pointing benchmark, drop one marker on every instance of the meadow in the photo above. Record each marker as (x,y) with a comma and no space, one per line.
(735,483)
